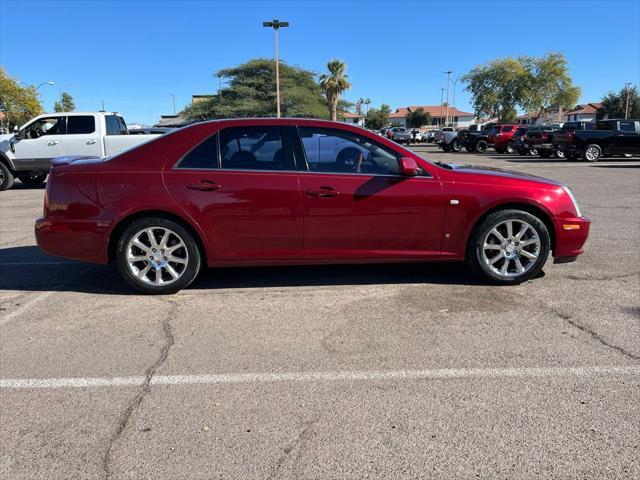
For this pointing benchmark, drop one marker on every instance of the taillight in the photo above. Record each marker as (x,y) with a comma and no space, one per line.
(570,137)
(544,136)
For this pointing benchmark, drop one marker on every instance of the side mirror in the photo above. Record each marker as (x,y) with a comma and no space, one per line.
(16,132)
(409,167)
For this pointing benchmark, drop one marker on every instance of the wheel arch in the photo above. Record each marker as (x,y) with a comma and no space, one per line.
(7,161)
(124,222)
(534,210)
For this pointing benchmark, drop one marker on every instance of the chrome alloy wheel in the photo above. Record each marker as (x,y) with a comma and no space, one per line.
(592,153)
(157,256)
(511,248)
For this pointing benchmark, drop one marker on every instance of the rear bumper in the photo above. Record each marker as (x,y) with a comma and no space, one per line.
(571,235)
(78,240)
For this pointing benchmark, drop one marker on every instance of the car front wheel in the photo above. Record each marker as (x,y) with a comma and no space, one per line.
(158,256)
(481,146)
(6,177)
(592,153)
(509,247)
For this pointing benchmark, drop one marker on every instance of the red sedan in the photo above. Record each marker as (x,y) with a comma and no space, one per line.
(288,191)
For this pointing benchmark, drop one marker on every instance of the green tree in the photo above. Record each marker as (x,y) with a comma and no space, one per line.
(19,104)
(334,84)
(417,118)
(377,118)
(496,87)
(65,104)
(250,92)
(547,84)
(614,104)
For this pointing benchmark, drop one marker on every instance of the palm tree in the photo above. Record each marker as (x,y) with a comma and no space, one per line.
(334,83)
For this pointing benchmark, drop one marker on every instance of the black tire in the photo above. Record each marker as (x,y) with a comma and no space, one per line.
(6,177)
(560,154)
(30,179)
(456,146)
(469,149)
(481,146)
(190,250)
(510,148)
(592,153)
(446,148)
(571,156)
(522,152)
(544,153)
(475,253)
(533,152)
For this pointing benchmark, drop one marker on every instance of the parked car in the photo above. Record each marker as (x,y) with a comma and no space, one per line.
(430,136)
(415,135)
(439,135)
(399,135)
(541,137)
(500,136)
(27,152)
(475,140)
(150,131)
(518,142)
(606,137)
(298,191)
(449,141)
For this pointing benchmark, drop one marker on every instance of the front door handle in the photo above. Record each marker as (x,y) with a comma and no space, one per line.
(323,192)
(204,186)
(52,143)
(92,141)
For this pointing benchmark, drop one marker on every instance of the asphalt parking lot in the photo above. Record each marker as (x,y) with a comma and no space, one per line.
(395,371)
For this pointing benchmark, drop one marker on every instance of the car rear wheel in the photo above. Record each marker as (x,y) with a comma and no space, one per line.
(533,152)
(510,148)
(592,153)
(509,247)
(456,146)
(29,179)
(6,177)
(481,146)
(560,154)
(158,256)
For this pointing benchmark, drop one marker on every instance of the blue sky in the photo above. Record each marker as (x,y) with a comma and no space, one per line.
(133,54)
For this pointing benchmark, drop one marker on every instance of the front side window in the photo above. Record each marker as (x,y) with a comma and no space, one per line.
(78,124)
(44,126)
(205,155)
(253,148)
(337,151)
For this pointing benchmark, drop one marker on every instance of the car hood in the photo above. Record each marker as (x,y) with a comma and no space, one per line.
(497,172)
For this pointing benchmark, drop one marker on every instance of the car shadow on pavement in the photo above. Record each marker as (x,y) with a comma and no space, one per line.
(28,269)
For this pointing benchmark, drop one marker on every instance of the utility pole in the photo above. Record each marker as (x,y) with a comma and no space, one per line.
(448,72)
(276,25)
(454,95)
(626,108)
(220,88)
(173,95)
(441,100)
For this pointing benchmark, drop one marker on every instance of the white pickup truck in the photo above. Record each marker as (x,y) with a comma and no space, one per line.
(26,154)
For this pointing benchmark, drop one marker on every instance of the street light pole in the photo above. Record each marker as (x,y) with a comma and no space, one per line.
(448,72)
(173,95)
(441,100)
(626,108)
(454,94)
(276,25)
(38,87)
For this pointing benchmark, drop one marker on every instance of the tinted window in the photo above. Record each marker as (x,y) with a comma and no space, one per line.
(604,126)
(204,155)
(507,129)
(78,124)
(113,126)
(628,126)
(338,151)
(494,131)
(520,132)
(253,148)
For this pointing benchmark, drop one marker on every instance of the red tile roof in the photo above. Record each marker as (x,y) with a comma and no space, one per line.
(584,108)
(349,115)
(433,110)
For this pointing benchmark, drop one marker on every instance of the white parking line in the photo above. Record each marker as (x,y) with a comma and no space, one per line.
(388,375)
(11,315)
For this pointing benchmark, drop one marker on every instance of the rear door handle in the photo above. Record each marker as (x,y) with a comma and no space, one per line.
(52,143)
(92,141)
(204,186)
(323,192)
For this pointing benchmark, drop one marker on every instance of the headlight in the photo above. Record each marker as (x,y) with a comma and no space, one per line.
(573,199)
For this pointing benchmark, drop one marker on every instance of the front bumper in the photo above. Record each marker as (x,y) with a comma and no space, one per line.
(75,239)
(571,235)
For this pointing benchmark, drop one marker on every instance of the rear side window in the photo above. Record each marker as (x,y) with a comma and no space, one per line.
(507,129)
(494,131)
(78,124)
(204,155)
(627,126)
(253,148)
(604,126)
(115,125)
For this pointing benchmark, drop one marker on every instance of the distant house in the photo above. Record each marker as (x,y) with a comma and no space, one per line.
(585,112)
(351,118)
(172,121)
(457,118)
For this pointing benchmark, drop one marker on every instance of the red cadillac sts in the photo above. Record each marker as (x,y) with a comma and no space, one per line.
(292,191)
